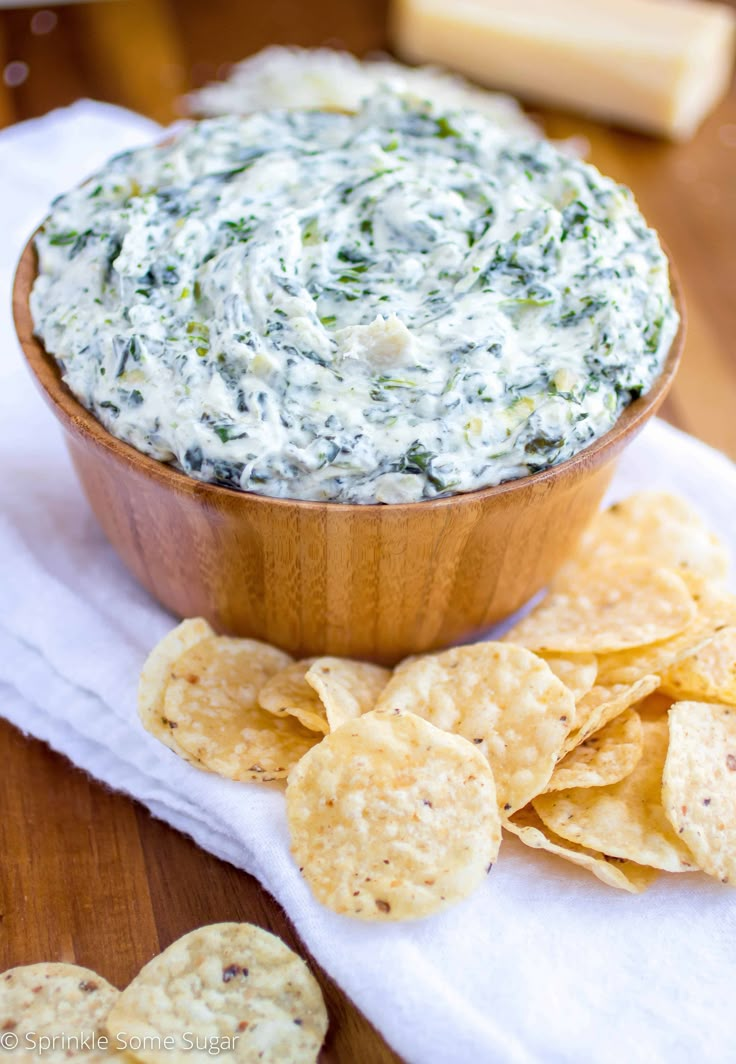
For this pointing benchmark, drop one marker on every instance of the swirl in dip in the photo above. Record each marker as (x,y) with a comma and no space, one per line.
(385,306)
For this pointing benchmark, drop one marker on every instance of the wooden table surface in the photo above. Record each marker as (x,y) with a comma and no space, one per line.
(90,876)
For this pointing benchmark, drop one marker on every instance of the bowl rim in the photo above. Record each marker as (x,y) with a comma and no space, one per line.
(76,419)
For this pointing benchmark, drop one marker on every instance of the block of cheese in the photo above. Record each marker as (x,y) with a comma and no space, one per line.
(656,65)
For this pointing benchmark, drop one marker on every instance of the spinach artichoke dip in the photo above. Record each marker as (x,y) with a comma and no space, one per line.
(384,306)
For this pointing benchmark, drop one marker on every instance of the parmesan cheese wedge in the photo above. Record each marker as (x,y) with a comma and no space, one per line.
(656,65)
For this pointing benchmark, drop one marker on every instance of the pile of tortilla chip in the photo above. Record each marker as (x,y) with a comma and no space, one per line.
(602,728)
(229,990)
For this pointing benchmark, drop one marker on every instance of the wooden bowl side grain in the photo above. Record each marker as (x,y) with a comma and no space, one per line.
(376,582)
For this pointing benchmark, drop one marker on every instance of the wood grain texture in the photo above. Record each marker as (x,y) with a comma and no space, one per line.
(134,884)
(373,582)
(90,878)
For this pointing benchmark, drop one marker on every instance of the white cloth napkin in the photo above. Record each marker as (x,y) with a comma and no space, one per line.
(543,963)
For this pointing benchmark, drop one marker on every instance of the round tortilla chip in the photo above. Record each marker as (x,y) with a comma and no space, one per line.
(287,694)
(707,675)
(716,608)
(155,677)
(624,875)
(55,1000)
(234,984)
(603,704)
(656,525)
(625,819)
(392,818)
(578,672)
(212,697)
(622,605)
(626,667)
(699,784)
(606,756)
(347,688)
(503,699)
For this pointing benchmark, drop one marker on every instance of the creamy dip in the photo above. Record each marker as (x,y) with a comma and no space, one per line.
(380,307)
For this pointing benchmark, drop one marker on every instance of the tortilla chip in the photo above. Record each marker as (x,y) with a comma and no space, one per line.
(604,704)
(624,875)
(287,694)
(577,671)
(623,605)
(656,525)
(212,698)
(55,1001)
(503,699)
(625,819)
(607,756)
(392,818)
(156,675)
(699,784)
(348,689)
(707,675)
(716,609)
(233,986)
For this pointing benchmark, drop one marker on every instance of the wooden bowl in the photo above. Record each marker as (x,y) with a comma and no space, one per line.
(376,582)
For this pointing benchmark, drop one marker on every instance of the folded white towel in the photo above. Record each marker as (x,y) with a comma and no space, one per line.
(543,963)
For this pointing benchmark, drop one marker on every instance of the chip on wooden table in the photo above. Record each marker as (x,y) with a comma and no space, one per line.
(156,675)
(624,875)
(577,671)
(212,698)
(503,699)
(625,819)
(707,675)
(603,704)
(230,986)
(623,604)
(392,818)
(699,784)
(287,694)
(607,756)
(55,1000)
(655,525)
(347,688)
